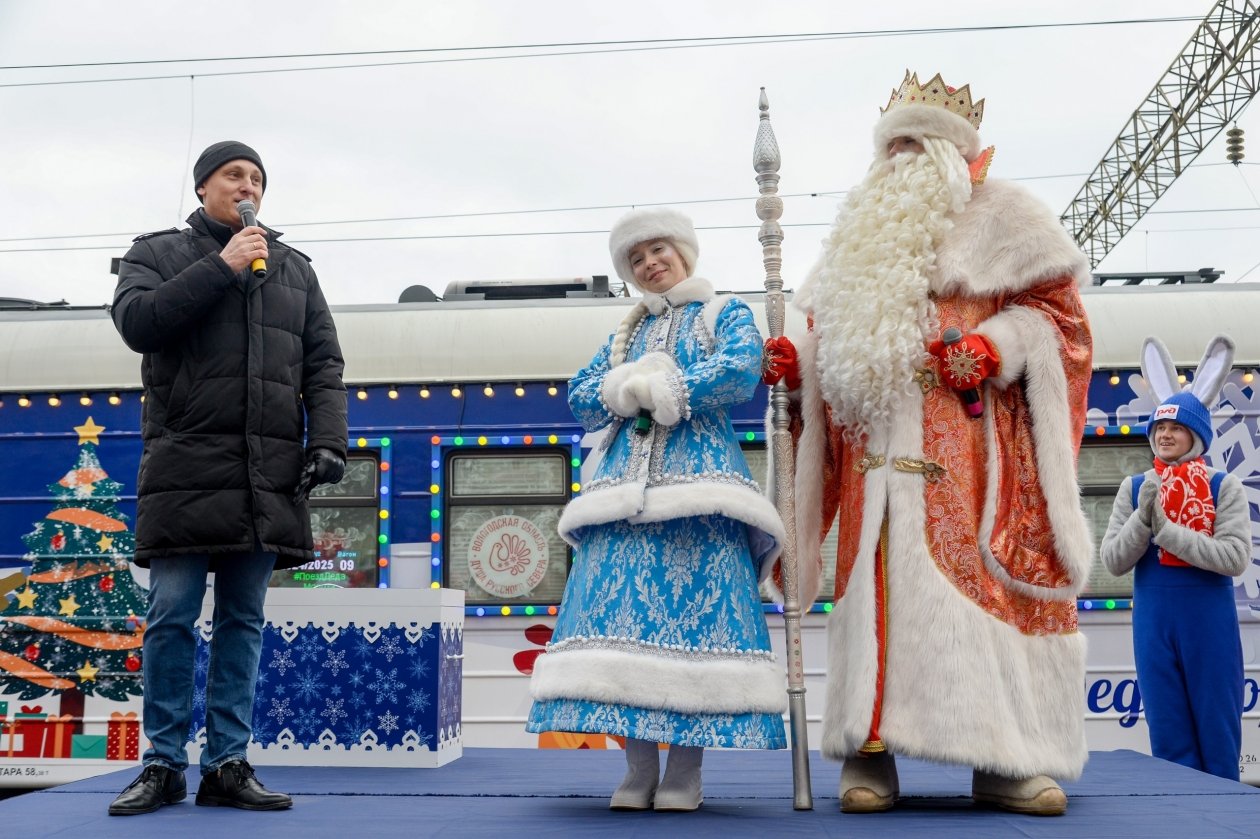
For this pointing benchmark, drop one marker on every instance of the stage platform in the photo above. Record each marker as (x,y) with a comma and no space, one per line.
(517,792)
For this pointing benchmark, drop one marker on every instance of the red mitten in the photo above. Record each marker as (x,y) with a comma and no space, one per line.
(965,363)
(779,362)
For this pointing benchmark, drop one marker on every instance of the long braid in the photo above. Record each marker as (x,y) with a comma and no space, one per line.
(621,338)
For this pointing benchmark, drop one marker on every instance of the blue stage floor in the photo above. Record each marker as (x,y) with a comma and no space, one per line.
(516,792)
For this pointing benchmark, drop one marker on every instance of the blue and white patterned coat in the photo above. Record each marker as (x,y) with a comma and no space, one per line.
(694,467)
(661,634)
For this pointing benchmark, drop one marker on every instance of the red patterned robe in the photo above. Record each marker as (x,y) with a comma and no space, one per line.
(962,545)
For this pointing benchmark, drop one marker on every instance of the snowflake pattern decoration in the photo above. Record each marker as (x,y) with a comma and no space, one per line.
(963,364)
(383,685)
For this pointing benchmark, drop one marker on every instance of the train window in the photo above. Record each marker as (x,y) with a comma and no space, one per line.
(1101,468)
(345,524)
(508,475)
(501,516)
(758,463)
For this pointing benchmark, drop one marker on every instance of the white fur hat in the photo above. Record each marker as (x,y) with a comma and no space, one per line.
(919,121)
(645,225)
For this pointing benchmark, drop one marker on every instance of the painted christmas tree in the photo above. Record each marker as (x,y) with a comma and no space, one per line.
(76,626)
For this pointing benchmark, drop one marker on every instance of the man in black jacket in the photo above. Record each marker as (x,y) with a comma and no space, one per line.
(244,411)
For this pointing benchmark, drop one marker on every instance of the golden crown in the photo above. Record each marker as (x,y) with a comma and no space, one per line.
(938,94)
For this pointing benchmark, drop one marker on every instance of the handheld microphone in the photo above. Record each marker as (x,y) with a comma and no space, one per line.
(972,402)
(247,212)
(643,422)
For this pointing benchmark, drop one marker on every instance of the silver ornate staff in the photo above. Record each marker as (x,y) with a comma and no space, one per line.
(769,208)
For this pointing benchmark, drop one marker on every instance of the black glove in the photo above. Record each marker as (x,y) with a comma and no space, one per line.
(323,466)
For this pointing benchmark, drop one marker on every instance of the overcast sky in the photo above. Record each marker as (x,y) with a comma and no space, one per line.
(495,142)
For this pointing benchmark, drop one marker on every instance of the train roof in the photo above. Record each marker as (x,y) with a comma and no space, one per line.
(498,341)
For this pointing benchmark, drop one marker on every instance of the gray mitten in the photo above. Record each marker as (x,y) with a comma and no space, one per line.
(1148,500)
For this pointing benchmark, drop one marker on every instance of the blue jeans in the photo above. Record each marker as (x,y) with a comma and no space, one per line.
(177,585)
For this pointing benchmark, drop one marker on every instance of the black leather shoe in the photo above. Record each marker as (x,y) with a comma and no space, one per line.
(234,785)
(157,785)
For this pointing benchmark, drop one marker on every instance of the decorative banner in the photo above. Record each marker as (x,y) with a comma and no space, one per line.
(507,556)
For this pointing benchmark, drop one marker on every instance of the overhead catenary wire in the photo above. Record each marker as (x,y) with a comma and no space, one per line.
(566,49)
(544,210)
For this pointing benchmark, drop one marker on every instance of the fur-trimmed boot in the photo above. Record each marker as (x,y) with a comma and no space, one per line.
(643,773)
(868,783)
(1039,795)
(680,789)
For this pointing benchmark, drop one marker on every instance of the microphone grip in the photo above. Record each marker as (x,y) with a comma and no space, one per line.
(245,209)
(973,404)
(643,422)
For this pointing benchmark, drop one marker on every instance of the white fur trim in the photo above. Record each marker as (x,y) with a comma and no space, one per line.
(630,502)
(919,121)
(1029,343)
(675,684)
(614,392)
(1005,330)
(961,686)
(808,481)
(1005,241)
(645,225)
(690,290)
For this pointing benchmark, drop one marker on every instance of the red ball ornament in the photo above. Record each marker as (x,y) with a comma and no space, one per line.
(58,541)
(107,583)
(32,652)
(133,662)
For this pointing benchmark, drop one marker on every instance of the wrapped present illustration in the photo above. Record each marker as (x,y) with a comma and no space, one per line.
(123,740)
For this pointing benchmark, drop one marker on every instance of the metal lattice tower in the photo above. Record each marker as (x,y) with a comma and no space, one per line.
(1206,87)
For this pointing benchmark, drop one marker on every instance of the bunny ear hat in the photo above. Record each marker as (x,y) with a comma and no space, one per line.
(1189,405)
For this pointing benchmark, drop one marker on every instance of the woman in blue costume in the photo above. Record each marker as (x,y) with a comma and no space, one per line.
(1186,529)
(661,636)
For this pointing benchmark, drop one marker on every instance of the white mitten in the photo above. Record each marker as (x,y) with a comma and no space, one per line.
(615,392)
(641,387)
(669,398)
(656,362)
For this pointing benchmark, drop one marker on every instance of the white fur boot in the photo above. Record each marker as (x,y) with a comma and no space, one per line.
(680,789)
(1039,795)
(643,773)
(868,783)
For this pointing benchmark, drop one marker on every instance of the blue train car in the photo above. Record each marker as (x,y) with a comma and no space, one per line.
(463,454)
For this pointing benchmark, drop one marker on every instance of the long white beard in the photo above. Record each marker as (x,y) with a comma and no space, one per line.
(869,293)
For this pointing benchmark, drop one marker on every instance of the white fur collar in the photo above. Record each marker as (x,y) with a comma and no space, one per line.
(690,290)
(1006,240)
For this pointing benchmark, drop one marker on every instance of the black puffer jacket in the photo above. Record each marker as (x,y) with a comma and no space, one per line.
(235,370)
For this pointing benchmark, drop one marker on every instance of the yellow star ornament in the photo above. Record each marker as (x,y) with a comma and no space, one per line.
(105,543)
(26,598)
(89,432)
(69,606)
(87,673)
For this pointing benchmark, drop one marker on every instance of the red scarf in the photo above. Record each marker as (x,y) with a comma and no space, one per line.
(1185,493)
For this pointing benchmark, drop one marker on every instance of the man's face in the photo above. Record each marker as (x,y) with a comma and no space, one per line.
(904,144)
(1172,440)
(233,182)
